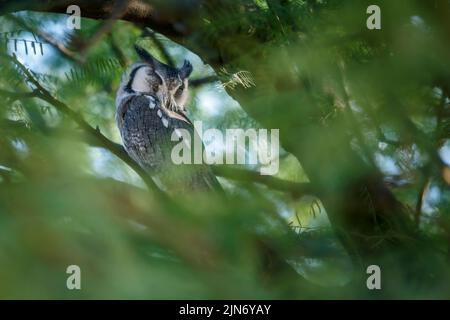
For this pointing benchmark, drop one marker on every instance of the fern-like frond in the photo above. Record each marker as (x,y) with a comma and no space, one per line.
(13,41)
(231,80)
(93,72)
(10,75)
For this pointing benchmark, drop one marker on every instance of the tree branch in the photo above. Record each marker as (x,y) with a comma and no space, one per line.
(169,17)
(420,198)
(201,81)
(117,11)
(95,134)
(294,188)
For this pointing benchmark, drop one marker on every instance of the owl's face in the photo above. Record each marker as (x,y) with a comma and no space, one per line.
(168,84)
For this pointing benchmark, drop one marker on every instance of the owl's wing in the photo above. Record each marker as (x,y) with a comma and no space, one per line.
(146,131)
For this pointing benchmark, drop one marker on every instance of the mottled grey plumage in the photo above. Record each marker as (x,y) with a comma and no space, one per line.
(149,107)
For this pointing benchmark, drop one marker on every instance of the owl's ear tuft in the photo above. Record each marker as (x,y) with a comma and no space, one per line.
(144,55)
(185,70)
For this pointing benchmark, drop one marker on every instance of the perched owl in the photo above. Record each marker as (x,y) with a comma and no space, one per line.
(150,107)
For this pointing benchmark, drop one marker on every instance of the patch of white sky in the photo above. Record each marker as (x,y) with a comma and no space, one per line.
(432,197)
(104,164)
(387,164)
(444,151)
(37,61)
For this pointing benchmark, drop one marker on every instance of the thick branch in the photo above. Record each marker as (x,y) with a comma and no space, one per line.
(168,17)
(201,81)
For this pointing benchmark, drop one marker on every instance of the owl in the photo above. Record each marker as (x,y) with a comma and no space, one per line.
(150,108)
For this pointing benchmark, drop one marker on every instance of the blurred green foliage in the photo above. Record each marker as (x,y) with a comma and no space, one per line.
(319,75)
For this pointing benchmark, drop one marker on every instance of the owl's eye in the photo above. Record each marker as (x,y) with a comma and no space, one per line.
(155,87)
(180,90)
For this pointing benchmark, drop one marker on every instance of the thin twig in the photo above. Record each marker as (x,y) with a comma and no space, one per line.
(421,196)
